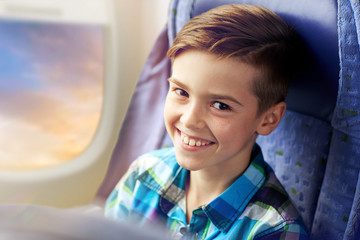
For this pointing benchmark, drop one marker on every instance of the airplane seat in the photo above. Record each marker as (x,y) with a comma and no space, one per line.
(315,149)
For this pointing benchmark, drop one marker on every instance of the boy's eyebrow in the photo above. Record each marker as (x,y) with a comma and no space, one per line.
(212,96)
(225,97)
(173,80)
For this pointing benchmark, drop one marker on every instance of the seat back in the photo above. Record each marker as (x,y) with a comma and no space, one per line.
(298,149)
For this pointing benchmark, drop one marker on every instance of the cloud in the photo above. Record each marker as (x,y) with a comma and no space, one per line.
(51,133)
(51,112)
(64,55)
(29,152)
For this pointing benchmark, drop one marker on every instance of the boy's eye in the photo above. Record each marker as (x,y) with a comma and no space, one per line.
(221,106)
(181,92)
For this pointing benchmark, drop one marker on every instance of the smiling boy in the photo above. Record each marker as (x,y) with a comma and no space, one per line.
(231,70)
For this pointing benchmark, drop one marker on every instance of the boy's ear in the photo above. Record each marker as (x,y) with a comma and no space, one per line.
(271,118)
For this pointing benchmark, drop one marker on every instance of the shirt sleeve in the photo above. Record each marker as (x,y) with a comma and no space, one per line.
(119,203)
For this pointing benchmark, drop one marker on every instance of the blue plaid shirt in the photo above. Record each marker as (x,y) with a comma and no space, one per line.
(255,206)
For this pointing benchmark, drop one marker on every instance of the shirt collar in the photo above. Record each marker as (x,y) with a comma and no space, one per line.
(169,182)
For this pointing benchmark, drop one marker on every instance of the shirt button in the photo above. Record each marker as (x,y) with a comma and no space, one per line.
(183,230)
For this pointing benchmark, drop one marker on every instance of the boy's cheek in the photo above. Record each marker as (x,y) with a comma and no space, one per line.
(168,113)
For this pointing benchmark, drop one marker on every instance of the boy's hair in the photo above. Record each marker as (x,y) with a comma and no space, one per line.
(254,35)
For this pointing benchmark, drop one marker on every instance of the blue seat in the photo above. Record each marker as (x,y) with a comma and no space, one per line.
(315,151)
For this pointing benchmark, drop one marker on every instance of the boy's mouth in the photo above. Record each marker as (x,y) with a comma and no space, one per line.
(192,141)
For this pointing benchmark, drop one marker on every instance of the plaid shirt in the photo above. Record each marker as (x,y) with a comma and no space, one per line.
(255,206)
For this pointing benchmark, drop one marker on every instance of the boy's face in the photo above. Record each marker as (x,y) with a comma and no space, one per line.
(211,112)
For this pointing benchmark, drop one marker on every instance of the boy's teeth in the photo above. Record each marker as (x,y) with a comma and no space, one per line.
(193,142)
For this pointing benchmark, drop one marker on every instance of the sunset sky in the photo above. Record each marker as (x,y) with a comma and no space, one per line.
(51,83)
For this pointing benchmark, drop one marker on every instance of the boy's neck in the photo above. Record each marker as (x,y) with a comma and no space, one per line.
(209,186)
(205,185)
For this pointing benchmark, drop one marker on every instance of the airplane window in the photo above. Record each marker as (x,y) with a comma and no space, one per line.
(51,91)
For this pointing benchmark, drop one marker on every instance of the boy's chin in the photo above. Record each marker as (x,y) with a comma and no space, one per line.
(191,166)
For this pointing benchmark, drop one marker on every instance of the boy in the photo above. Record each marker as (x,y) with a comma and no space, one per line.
(231,71)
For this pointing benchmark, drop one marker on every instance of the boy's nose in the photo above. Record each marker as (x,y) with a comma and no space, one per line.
(193,117)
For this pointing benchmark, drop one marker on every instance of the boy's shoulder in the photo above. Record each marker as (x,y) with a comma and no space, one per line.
(271,212)
(274,208)
(155,158)
(156,168)
(272,194)
(275,196)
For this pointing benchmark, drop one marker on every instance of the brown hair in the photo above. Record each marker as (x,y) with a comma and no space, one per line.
(254,35)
